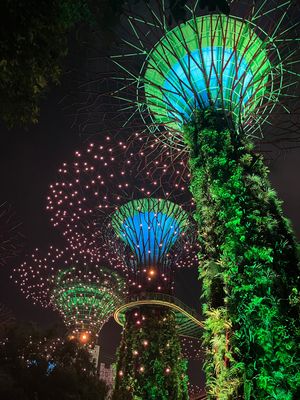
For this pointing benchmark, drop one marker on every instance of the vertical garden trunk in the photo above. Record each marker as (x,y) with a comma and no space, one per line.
(149,364)
(248,265)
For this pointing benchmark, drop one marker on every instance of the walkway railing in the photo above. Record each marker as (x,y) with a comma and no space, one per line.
(187,320)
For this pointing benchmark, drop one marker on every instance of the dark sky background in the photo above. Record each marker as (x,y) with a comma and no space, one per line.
(28,164)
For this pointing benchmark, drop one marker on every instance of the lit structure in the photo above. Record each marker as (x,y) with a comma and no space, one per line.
(84,292)
(100,180)
(11,239)
(86,300)
(148,227)
(205,88)
(240,65)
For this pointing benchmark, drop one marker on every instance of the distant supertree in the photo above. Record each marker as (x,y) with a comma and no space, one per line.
(148,230)
(86,298)
(11,239)
(78,286)
(106,175)
(108,188)
(206,88)
(150,347)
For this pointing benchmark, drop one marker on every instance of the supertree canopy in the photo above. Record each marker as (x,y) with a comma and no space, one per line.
(208,86)
(243,65)
(105,176)
(144,214)
(149,228)
(84,292)
(87,299)
(210,61)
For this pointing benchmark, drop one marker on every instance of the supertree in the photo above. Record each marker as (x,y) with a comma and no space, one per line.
(87,300)
(149,228)
(103,190)
(149,363)
(77,285)
(11,239)
(207,88)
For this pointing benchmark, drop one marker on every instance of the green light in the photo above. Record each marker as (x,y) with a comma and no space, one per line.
(86,302)
(210,61)
(149,205)
(150,227)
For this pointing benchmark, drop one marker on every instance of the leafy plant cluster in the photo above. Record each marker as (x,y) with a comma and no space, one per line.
(248,266)
(150,364)
(34,42)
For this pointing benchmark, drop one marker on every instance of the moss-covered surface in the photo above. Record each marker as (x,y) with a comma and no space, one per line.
(150,365)
(248,266)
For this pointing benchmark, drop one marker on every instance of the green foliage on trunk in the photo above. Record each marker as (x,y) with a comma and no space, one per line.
(150,365)
(248,266)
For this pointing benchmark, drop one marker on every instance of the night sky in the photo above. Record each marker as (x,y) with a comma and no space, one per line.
(29,161)
(28,164)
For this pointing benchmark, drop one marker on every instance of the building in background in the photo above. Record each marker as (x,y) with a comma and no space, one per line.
(107,374)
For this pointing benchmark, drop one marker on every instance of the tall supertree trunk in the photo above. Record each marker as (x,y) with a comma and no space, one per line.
(248,265)
(150,364)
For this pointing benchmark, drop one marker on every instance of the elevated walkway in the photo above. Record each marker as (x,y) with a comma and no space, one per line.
(188,321)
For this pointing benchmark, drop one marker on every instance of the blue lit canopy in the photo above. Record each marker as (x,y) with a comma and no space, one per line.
(210,61)
(150,227)
(209,82)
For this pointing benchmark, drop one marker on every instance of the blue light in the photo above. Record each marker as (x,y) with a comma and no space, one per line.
(213,77)
(150,235)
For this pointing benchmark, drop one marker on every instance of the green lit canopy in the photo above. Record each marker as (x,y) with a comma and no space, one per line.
(150,227)
(86,301)
(210,61)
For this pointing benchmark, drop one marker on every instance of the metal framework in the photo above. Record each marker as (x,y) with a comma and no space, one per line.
(153,232)
(150,227)
(75,284)
(86,300)
(245,65)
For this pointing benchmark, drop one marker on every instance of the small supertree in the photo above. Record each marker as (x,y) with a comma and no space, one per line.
(86,298)
(11,239)
(84,292)
(207,87)
(150,228)
(92,195)
(149,360)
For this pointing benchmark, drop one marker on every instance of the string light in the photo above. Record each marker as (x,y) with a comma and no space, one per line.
(76,285)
